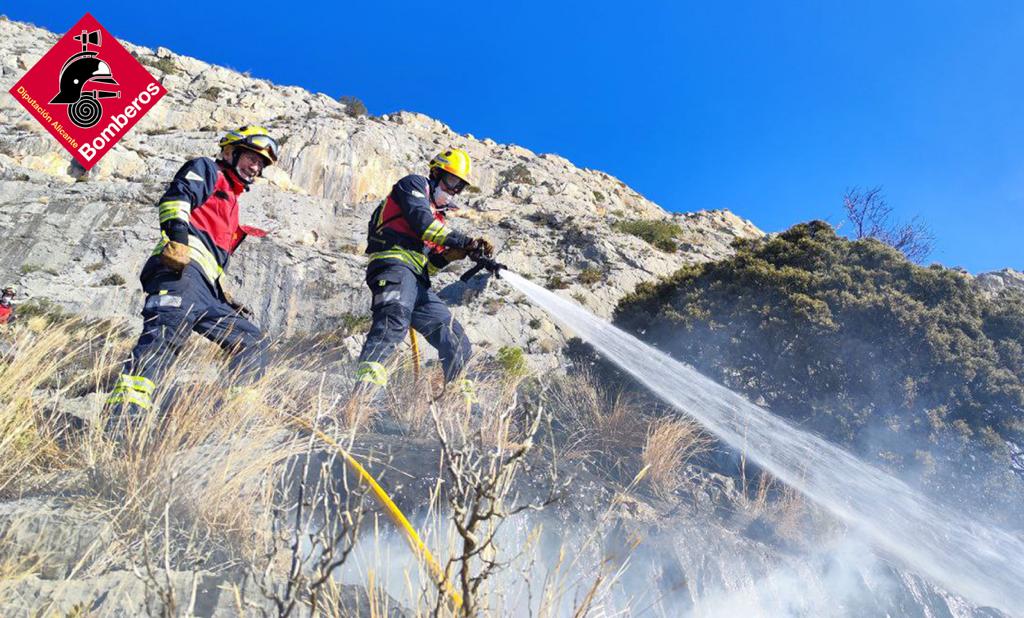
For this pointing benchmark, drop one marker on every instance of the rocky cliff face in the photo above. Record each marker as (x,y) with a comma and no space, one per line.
(79,240)
(994,283)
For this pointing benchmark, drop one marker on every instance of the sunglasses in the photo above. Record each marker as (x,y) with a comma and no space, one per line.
(264,143)
(453,183)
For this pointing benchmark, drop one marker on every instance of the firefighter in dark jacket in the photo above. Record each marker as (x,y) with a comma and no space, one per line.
(182,278)
(408,241)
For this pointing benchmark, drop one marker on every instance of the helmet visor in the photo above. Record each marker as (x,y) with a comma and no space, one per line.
(263,144)
(453,183)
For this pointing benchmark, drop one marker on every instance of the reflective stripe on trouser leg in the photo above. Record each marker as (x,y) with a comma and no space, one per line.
(131,389)
(373,373)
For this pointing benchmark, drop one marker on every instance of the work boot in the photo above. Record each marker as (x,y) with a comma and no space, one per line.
(437,385)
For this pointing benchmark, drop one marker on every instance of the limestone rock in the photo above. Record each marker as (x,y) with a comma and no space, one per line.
(995,282)
(73,237)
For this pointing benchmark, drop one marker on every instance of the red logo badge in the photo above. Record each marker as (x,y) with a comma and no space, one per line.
(88,91)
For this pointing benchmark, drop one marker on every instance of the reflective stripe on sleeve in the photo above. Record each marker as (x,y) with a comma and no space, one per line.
(436,232)
(175,209)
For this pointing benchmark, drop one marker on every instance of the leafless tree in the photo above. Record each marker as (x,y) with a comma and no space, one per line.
(480,470)
(314,530)
(871,217)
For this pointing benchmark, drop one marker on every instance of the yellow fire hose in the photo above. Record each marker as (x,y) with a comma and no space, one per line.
(418,546)
(415,353)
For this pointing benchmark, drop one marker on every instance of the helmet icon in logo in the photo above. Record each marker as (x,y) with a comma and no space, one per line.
(85,67)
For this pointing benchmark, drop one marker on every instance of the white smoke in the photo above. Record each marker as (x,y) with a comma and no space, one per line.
(983,563)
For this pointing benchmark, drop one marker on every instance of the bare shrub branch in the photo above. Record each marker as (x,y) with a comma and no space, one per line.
(480,470)
(871,217)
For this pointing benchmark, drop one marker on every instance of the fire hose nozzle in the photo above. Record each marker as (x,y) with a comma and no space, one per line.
(483,262)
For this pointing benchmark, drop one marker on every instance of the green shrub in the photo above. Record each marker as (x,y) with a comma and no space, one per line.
(211,94)
(354,323)
(113,279)
(354,107)
(41,307)
(518,173)
(27,269)
(591,275)
(512,361)
(165,65)
(556,282)
(493,305)
(661,234)
(851,340)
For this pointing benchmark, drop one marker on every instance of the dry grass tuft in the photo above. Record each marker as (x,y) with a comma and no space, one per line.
(671,442)
(608,430)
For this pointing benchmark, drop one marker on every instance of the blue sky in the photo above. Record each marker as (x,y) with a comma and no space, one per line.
(769,109)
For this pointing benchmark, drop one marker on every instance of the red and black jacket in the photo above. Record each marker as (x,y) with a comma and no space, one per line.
(200,209)
(407,229)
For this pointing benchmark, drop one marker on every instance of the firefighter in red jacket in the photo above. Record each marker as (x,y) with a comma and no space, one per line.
(182,278)
(409,240)
(7,306)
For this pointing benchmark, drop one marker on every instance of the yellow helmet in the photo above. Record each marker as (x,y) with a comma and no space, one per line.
(455,161)
(254,138)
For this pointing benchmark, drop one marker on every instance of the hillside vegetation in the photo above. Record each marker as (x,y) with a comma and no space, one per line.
(910,365)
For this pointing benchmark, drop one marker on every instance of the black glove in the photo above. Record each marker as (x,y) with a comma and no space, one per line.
(480,246)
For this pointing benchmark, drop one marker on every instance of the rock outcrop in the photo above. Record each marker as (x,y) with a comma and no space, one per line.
(997,281)
(79,239)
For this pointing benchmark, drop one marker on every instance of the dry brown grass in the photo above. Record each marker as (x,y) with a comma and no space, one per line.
(606,429)
(179,477)
(195,485)
(671,443)
(36,370)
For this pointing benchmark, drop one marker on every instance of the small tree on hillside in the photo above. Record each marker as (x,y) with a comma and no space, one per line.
(871,217)
(354,106)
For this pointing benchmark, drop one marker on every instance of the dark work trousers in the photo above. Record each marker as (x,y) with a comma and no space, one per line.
(400,300)
(175,306)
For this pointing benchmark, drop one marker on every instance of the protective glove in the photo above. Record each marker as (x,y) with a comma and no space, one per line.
(453,254)
(481,246)
(175,256)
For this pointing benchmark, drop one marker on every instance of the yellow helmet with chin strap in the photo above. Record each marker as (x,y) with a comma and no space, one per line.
(254,138)
(455,161)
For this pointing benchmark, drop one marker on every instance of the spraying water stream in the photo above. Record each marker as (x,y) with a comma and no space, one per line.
(982,563)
